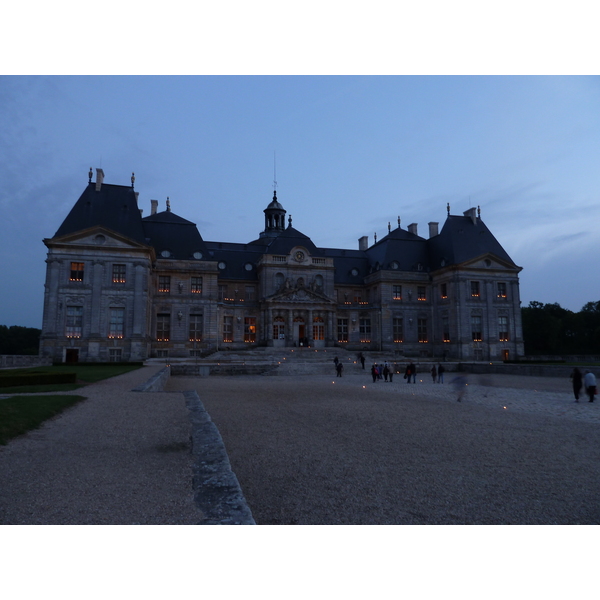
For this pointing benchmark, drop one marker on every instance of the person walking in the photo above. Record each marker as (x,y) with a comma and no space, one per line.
(589,381)
(339,367)
(411,371)
(577,382)
(434,373)
(386,371)
(441,371)
(392,373)
(374,372)
(362,360)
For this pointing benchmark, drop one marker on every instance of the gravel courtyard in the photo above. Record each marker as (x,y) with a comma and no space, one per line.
(326,450)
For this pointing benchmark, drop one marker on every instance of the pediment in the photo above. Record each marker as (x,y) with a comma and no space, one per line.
(97,237)
(299,295)
(489,261)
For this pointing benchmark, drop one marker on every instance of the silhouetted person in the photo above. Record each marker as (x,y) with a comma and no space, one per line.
(590,384)
(577,382)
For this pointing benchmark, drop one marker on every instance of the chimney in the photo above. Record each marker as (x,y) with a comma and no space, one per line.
(153,206)
(99,179)
(472,214)
(363,242)
(433,229)
(412,228)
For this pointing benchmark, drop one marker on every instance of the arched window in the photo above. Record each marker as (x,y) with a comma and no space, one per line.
(318,328)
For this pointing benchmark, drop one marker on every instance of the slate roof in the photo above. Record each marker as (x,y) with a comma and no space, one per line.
(113,207)
(461,240)
(168,231)
(400,246)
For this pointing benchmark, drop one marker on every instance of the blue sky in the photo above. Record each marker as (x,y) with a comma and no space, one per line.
(352,153)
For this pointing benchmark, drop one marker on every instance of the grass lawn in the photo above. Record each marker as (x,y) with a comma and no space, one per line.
(85,374)
(20,414)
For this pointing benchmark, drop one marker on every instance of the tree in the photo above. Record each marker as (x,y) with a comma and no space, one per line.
(19,340)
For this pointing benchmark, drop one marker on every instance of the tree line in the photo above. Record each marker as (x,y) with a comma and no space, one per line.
(19,340)
(554,330)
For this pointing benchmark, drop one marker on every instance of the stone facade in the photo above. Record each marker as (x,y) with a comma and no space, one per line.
(120,287)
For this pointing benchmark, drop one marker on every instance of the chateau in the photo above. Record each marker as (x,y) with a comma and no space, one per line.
(123,287)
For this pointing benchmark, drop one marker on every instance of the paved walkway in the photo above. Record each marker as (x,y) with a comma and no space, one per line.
(119,457)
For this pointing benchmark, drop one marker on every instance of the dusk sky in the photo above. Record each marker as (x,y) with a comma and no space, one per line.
(352,153)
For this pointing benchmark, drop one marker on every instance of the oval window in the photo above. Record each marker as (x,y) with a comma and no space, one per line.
(165,254)
(197,255)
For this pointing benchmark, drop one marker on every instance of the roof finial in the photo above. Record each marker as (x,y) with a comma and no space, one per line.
(274,172)
(398,221)
(389,227)
(479,211)
(448,208)
(132,179)
(290,221)
(90,175)
(375,236)
(168,204)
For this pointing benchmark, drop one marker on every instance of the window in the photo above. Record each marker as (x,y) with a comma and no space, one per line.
(118,273)
(278,328)
(76,271)
(249,329)
(501,290)
(365,330)
(444,290)
(222,292)
(250,293)
(445,329)
(476,328)
(475,289)
(397,292)
(196,285)
(318,328)
(503,329)
(357,296)
(162,354)
(422,330)
(163,327)
(319,282)
(342,330)
(227,329)
(398,329)
(74,324)
(116,327)
(279,280)
(196,322)
(114,354)
(164,284)
(421,293)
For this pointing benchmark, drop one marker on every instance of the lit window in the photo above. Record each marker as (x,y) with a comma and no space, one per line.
(116,326)
(278,328)
(318,328)
(422,330)
(444,290)
(249,329)
(163,327)
(118,274)
(398,330)
(76,271)
(501,290)
(342,329)
(397,292)
(475,289)
(164,284)
(476,328)
(196,285)
(503,329)
(365,330)
(445,329)
(357,296)
(228,329)
(422,293)
(74,323)
(196,328)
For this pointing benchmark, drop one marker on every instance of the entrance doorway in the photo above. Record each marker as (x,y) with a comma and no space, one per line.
(72,355)
(505,354)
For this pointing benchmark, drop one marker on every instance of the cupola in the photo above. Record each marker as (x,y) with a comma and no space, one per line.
(274,218)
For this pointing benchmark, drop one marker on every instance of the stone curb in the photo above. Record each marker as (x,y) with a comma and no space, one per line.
(217,491)
(156,383)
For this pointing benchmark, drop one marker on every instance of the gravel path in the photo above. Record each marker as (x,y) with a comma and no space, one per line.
(326,450)
(119,457)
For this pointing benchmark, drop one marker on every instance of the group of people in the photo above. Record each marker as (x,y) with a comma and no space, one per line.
(382,372)
(587,380)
